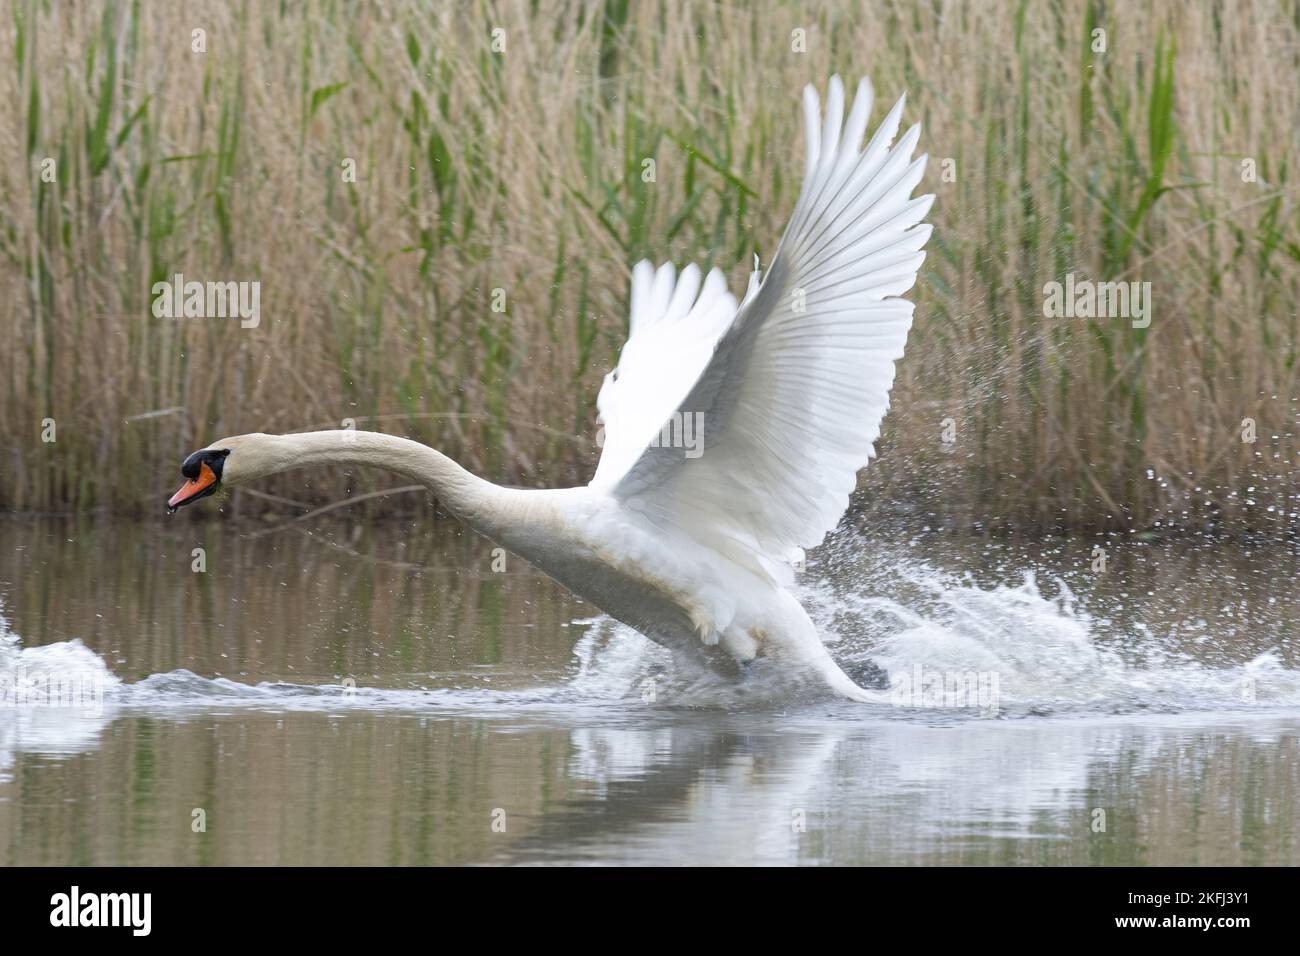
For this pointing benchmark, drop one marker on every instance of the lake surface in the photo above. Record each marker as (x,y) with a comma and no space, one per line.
(332,694)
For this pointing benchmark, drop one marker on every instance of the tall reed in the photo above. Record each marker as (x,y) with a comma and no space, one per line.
(501,153)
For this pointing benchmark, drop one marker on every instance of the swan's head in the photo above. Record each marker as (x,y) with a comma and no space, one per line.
(225,462)
(202,471)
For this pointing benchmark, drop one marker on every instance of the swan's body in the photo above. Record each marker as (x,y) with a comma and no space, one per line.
(690,541)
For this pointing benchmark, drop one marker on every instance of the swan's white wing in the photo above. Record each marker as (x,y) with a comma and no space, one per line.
(794,394)
(674,328)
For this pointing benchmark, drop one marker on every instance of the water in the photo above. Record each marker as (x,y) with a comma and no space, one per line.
(338,695)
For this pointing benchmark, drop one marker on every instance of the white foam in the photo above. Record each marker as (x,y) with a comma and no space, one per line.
(54,699)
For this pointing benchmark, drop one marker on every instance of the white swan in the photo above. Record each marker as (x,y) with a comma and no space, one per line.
(689,537)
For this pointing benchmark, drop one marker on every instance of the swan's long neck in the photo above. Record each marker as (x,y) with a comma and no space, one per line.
(480,503)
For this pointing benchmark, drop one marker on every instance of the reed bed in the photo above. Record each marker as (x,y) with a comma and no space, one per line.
(469,289)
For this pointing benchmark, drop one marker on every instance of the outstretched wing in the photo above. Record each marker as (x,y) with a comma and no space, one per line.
(792,397)
(674,328)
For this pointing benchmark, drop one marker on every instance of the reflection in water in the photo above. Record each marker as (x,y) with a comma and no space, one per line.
(902,793)
(383,789)
(479,700)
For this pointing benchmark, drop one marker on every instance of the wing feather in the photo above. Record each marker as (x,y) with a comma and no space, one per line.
(791,399)
(676,320)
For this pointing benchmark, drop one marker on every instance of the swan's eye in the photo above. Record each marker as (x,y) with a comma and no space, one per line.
(614,375)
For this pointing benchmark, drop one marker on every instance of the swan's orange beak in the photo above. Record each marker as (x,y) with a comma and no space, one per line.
(194,488)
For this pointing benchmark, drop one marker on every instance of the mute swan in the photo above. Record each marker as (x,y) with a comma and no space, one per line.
(691,542)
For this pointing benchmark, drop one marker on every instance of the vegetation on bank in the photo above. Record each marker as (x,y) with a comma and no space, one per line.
(467,285)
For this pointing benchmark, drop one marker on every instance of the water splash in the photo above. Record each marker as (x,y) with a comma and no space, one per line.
(1043,654)
(1046,653)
